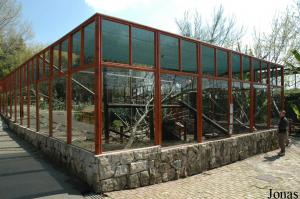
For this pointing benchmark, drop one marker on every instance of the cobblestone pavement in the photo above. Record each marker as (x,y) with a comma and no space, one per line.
(250,178)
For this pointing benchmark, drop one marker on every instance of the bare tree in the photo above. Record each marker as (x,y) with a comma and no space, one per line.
(221,30)
(284,37)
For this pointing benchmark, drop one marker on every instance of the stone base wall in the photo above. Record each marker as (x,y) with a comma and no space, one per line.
(133,168)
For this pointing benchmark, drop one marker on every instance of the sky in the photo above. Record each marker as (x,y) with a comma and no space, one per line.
(52,19)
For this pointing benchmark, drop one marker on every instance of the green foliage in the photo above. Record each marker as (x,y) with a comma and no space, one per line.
(295,110)
(14,36)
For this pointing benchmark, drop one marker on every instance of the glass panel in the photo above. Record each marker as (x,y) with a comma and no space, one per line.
(89,43)
(241,105)
(260,106)
(64,55)
(179,110)
(236,66)
(222,63)
(169,52)
(76,44)
(215,108)
(188,56)
(115,42)
(59,109)
(208,64)
(246,68)
(128,108)
(256,68)
(44,107)
(83,109)
(142,47)
(56,64)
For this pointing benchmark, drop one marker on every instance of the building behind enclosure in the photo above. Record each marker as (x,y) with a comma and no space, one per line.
(111,84)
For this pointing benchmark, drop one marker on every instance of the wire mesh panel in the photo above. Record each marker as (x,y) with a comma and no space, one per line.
(179,112)
(260,106)
(275,104)
(241,105)
(43,107)
(215,107)
(59,111)
(83,109)
(128,98)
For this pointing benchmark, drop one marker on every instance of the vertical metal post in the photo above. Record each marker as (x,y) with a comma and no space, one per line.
(37,100)
(157,95)
(50,92)
(11,95)
(199,95)
(98,96)
(15,95)
(28,93)
(230,98)
(69,93)
(252,108)
(21,94)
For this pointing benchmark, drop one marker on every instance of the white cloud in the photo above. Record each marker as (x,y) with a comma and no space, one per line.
(114,6)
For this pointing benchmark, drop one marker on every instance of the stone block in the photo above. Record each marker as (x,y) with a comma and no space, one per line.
(144,178)
(121,170)
(138,166)
(133,181)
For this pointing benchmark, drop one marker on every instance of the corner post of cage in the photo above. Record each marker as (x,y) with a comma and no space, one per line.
(69,90)
(98,78)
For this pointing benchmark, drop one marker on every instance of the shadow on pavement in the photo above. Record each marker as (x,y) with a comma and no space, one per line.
(26,173)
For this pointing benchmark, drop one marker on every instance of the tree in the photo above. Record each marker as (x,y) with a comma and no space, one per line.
(14,35)
(221,30)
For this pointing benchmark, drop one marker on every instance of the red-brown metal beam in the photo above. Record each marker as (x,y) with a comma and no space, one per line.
(50,93)
(98,92)
(157,95)
(230,97)
(199,96)
(37,100)
(251,108)
(69,93)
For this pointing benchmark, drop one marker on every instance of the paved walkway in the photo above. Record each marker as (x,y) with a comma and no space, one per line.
(25,173)
(250,178)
